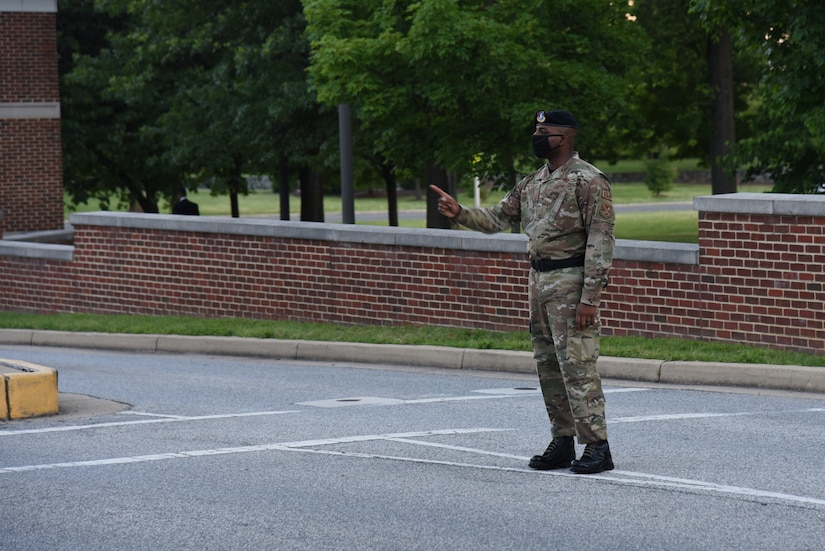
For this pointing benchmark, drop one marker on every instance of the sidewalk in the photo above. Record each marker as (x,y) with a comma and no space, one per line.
(792,378)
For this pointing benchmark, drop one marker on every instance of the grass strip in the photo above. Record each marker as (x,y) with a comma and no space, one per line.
(622,347)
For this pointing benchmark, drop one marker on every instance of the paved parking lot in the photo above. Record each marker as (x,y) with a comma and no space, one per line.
(168,451)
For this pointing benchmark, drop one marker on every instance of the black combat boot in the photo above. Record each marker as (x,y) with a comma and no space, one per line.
(558,455)
(595,459)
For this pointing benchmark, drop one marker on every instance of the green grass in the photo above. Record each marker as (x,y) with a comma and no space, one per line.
(261,203)
(670,226)
(628,347)
(673,226)
(688,350)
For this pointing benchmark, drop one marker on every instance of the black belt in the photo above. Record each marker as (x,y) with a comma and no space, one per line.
(546,264)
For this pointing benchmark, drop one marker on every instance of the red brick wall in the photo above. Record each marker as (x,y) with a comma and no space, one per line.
(654,299)
(31,175)
(37,285)
(213,275)
(764,279)
(31,179)
(759,280)
(28,43)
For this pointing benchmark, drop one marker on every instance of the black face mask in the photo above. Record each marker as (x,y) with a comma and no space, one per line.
(541,145)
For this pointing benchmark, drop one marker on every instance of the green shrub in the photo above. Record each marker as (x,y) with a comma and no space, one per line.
(660,172)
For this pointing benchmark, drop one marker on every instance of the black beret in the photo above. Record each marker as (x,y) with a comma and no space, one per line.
(557,117)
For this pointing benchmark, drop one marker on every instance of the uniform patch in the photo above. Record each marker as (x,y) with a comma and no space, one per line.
(607,210)
(606,194)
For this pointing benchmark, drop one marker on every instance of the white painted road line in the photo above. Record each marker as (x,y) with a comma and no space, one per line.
(705,415)
(529,391)
(241,449)
(370,437)
(487,394)
(456,448)
(165,419)
(147,414)
(381,401)
(647,479)
(633,479)
(308,446)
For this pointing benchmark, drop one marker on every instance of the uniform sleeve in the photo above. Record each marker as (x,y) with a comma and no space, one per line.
(498,218)
(599,220)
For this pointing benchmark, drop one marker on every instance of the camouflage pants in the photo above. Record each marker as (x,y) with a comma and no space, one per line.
(566,358)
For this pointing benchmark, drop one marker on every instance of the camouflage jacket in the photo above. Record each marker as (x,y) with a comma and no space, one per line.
(566,213)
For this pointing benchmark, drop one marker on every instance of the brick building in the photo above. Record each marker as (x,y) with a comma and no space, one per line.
(31,171)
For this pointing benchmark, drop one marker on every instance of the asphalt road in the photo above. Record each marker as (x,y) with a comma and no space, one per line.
(220,452)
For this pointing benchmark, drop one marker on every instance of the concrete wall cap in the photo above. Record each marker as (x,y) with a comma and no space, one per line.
(762,203)
(657,251)
(645,251)
(29,6)
(37,250)
(29,110)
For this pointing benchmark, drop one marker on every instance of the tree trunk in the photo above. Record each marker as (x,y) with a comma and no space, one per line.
(722,132)
(388,171)
(143,196)
(512,177)
(437,176)
(237,184)
(312,196)
(146,205)
(233,204)
(283,188)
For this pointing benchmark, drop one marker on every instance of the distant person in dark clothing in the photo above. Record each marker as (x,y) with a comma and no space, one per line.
(183,205)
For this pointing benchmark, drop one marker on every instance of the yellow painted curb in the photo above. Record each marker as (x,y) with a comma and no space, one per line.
(29,390)
(4,403)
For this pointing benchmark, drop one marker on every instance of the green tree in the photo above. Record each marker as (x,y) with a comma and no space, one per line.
(670,82)
(212,90)
(691,89)
(788,114)
(440,82)
(111,140)
(241,104)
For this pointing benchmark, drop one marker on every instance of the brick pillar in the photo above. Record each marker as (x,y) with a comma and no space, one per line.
(31,166)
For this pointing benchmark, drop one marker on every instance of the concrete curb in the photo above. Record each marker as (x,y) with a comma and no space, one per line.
(28,390)
(793,378)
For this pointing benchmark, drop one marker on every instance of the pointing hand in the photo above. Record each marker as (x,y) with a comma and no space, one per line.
(447,205)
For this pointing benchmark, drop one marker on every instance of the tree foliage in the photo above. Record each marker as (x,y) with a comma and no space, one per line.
(447,80)
(204,92)
(671,90)
(199,93)
(112,144)
(787,111)
(692,87)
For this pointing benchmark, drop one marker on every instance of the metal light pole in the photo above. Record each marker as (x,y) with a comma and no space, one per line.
(347,185)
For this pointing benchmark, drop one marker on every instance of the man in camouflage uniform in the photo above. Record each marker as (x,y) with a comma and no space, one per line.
(566,210)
